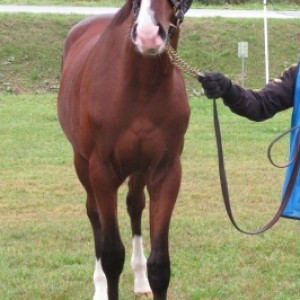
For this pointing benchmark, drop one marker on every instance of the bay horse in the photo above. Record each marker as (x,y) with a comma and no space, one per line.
(123,107)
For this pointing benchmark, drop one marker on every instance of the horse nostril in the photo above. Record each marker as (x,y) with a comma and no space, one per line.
(161,32)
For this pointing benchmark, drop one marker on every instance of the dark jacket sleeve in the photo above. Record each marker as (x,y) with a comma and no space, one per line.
(263,104)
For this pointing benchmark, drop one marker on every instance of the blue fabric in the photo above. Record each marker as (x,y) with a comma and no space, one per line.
(292,209)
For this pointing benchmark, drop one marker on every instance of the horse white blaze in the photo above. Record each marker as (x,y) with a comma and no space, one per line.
(147,30)
(100,283)
(139,267)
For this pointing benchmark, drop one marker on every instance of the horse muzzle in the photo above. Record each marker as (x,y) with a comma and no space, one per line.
(148,38)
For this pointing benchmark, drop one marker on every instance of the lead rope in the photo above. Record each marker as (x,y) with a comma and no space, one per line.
(194,72)
(181,64)
(224,185)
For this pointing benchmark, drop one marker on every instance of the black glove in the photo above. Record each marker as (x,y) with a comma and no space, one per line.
(215,85)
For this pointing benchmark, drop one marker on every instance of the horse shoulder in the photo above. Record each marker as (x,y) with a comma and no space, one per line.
(78,45)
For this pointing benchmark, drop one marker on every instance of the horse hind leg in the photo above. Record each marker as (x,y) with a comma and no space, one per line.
(100,282)
(135,206)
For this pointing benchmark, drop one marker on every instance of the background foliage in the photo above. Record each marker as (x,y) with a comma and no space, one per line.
(31,52)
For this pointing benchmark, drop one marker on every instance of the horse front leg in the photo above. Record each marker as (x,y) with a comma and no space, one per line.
(111,251)
(163,195)
(135,205)
(100,282)
(99,277)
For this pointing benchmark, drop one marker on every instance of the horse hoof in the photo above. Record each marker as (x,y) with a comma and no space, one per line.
(144,294)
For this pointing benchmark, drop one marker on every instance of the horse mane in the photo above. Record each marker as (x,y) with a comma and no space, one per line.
(123,13)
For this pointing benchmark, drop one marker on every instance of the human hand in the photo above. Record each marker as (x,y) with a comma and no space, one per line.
(215,84)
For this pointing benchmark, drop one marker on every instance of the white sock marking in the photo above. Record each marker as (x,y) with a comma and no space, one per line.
(100,283)
(139,266)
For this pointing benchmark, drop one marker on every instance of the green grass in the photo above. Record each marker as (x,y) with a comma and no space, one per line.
(30,58)
(46,248)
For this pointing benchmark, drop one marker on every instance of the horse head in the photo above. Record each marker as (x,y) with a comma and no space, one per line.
(155,20)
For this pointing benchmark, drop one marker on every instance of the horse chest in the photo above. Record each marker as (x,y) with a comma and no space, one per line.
(140,147)
(140,135)
(139,144)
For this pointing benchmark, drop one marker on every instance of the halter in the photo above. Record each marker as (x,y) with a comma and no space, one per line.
(180,7)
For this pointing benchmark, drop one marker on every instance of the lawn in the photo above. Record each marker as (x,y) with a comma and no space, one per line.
(46,248)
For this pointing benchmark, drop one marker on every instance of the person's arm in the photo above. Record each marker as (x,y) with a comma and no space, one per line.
(254,105)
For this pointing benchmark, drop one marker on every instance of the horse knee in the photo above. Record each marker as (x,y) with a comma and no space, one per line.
(159,273)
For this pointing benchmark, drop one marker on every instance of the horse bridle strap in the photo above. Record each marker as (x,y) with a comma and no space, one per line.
(224,185)
(180,8)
